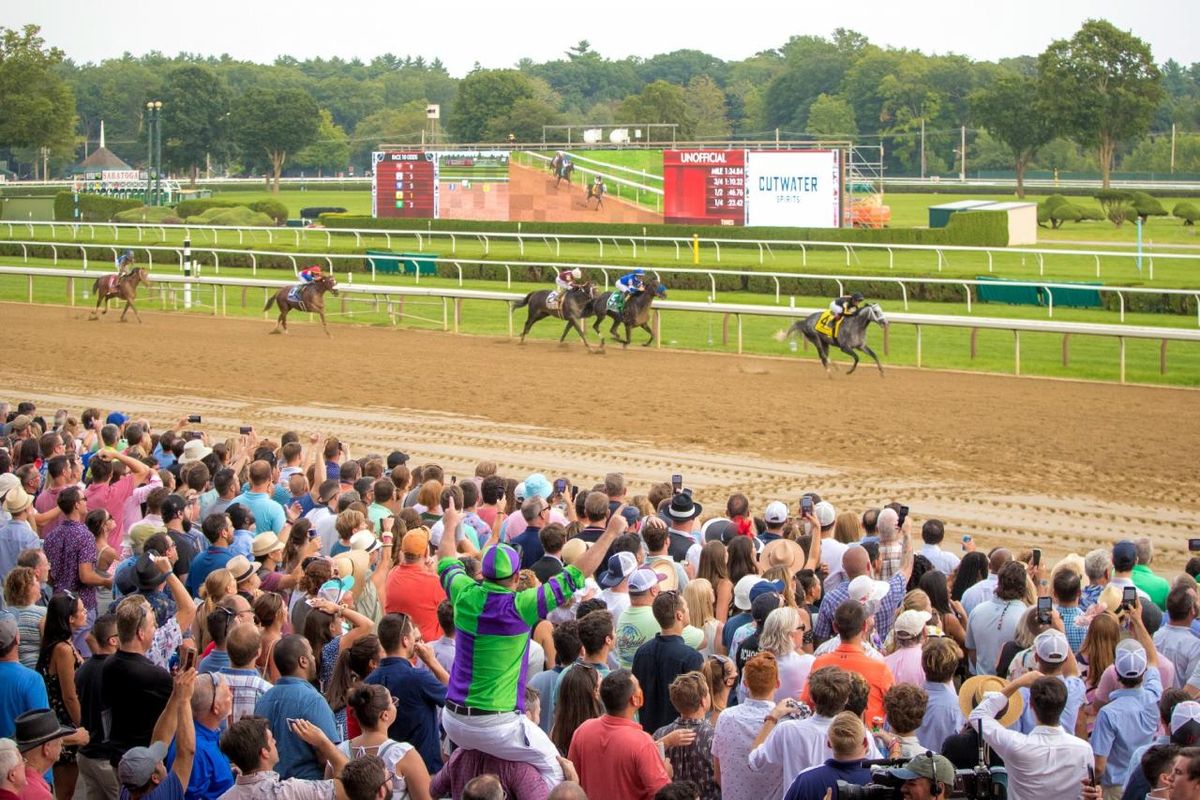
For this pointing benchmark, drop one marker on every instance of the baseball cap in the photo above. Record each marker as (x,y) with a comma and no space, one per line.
(937,768)
(911,623)
(8,631)
(762,605)
(500,562)
(1051,647)
(138,765)
(415,542)
(776,513)
(1185,712)
(825,513)
(620,567)
(644,579)
(741,591)
(763,587)
(17,500)
(1130,661)
(117,418)
(865,589)
(1124,556)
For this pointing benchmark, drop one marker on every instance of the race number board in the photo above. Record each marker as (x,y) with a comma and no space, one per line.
(704,187)
(405,184)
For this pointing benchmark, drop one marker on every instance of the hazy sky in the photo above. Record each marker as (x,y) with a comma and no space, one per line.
(497,34)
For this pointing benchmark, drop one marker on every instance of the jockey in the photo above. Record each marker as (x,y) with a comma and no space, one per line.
(566,280)
(846,304)
(307,275)
(123,261)
(629,284)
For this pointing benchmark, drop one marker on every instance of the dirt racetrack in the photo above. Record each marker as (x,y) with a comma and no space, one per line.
(1020,461)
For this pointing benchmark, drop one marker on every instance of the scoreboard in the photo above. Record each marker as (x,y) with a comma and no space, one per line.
(405,184)
(704,187)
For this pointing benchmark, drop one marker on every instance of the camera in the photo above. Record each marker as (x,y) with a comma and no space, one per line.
(978,783)
(193,418)
(883,786)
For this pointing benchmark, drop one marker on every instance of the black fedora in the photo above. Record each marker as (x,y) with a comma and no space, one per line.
(149,577)
(682,508)
(35,728)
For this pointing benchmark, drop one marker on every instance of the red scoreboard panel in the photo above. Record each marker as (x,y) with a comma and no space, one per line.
(405,184)
(704,187)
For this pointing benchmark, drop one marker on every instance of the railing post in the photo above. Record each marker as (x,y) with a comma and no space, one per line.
(657,329)
(739,331)
(1162,358)
(974,342)
(1017,351)
(1066,350)
(918,327)
(1121,347)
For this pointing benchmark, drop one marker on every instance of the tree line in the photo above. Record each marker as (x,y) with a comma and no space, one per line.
(1094,101)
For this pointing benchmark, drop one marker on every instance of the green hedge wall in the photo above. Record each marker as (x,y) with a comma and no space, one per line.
(274,209)
(979,228)
(92,207)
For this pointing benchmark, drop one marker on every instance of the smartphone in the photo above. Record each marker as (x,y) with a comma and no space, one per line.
(1043,610)
(806,506)
(676,484)
(189,435)
(187,657)
(574,493)
(1091,775)
(1128,596)
(966,540)
(193,418)
(1193,545)
(560,485)
(1037,556)
(902,515)
(245,430)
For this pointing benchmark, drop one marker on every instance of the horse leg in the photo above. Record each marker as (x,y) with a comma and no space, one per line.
(577,323)
(321,314)
(128,305)
(628,334)
(283,318)
(871,353)
(566,329)
(646,327)
(532,318)
(853,355)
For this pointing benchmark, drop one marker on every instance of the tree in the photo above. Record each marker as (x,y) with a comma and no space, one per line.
(1010,112)
(524,121)
(270,124)
(707,103)
(1102,86)
(484,95)
(195,118)
(660,102)
(38,106)
(331,150)
(831,117)
(401,125)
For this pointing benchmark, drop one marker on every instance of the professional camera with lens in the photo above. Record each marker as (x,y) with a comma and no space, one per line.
(883,786)
(979,783)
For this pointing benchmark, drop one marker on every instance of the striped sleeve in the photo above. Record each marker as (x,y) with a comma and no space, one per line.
(535,604)
(453,577)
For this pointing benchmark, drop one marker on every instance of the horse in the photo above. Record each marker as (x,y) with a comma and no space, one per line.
(563,173)
(635,314)
(595,189)
(851,336)
(556,162)
(312,298)
(572,307)
(123,287)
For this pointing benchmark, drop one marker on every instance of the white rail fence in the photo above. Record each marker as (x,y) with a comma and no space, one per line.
(349,260)
(452,307)
(681,244)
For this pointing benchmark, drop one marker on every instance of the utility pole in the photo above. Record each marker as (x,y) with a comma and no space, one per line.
(962,169)
(1172,148)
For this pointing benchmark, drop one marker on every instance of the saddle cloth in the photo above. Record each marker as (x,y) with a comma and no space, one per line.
(294,297)
(827,326)
(616,302)
(108,284)
(553,301)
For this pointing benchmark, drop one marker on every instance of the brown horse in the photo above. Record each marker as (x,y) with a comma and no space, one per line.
(312,298)
(123,287)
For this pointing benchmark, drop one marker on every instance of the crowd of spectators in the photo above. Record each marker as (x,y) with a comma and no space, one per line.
(256,619)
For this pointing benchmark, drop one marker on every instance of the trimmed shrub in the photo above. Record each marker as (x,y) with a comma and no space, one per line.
(274,209)
(92,207)
(240,216)
(1146,206)
(1188,212)
(157,214)
(192,208)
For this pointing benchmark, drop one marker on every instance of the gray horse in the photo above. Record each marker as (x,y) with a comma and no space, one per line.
(851,336)
(572,308)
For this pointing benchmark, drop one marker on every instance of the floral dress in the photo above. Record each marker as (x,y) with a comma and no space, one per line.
(54,693)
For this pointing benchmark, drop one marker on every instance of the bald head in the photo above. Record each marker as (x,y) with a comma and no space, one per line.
(855,561)
(567,790)
(996,561)
(243,643)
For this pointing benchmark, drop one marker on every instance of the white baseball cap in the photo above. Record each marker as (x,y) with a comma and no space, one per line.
(644,579)
(1051,647)
(826,513)
(911,622)
(741,592)
(865,589)
(1130,661)
(1185,712)
(776,513)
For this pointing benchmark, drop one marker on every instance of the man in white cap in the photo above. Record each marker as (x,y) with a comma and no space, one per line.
(637,625)
(776,516)
(741,604)
(1052,653)
(615,581)
(1048,761)
(17,534)
(831,549)
(1130,718)
(905,661)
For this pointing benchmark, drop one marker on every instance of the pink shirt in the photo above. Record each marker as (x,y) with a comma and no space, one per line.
(514,524)
(111,497)
(36,787)
(906,667)
(133,506)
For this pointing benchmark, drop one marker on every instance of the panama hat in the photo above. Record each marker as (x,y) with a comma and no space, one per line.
(975,687)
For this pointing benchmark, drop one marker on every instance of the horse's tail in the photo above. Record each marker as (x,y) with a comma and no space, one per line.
(524,301)
(271,301)
(96,286)
(794,330)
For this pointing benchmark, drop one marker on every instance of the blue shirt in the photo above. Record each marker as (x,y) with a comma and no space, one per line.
(419,696)
(529,545)
(295,698)
(1128,721)
(15,536)
(169,789)
(943,716)
(812,783)
(21,690)
(1076,697)
(268,514)
(735,622)
(215,661)
(203,565)
(546,684)
(1089,595)
(1074,633)
(211,774)
(243,544)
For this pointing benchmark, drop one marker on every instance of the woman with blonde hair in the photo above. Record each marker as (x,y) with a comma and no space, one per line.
(219,584)
(846,528)
(721,675)
(698,595)
(781,574)
(21,593)
(714,567)
(783,636)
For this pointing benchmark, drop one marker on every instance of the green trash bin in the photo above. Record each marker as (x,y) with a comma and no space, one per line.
(425,262)
(383,262)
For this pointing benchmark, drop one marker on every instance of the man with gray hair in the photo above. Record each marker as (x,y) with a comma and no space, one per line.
(536,513)
(12,768)
(888,529)
(567,790)
(1097,565)
(1155,587)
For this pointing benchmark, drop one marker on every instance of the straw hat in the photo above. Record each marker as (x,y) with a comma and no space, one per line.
(975,687)
(782,552)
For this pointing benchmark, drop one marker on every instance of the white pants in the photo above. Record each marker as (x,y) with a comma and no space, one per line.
(98,779)
(835,308)
(511,737)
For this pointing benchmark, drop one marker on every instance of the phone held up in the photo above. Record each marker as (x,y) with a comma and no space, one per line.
(1043,610)
(1193,545)
(806,506)
(187,658)
(193,418)
(676,484)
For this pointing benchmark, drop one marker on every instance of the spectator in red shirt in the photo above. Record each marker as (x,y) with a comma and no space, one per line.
(614,756)
(412,586)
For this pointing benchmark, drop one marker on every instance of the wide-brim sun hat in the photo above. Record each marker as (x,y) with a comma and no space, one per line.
(974,688)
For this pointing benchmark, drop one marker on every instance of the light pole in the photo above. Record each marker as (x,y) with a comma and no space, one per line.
(154,156)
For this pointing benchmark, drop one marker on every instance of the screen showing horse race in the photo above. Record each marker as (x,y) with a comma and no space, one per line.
(446,184)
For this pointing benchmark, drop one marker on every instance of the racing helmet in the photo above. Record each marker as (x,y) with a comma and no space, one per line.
(127,254)
(315,269)
(577,273)
(639,272)
(857,297)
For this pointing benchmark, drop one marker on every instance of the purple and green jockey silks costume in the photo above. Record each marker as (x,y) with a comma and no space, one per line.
(493,625)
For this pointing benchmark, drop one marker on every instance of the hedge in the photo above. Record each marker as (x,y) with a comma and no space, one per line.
(92,207)
(978,228)
(274,209)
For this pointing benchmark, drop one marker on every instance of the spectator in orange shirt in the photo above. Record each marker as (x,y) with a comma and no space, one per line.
(412,586)
(850,622)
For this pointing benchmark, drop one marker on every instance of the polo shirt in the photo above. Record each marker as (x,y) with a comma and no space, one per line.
(1128,721)
(979,593)
(16,535)
(1182,647)
(811,784)
(88,689)
(36,787)
(377,513)
(419,696)
(942,560)
(637,626)
(657,663)
(295,698)
(851,658)
(1155,587)
(137,691)
(1076,697)
(943,716)
(616,758)
(529,545)
(169,789)
(21,690)
(412,589)
(736,728)
(215,661)
(905,664)
(211,560)
(990,626)
(268,514)
(211,774)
